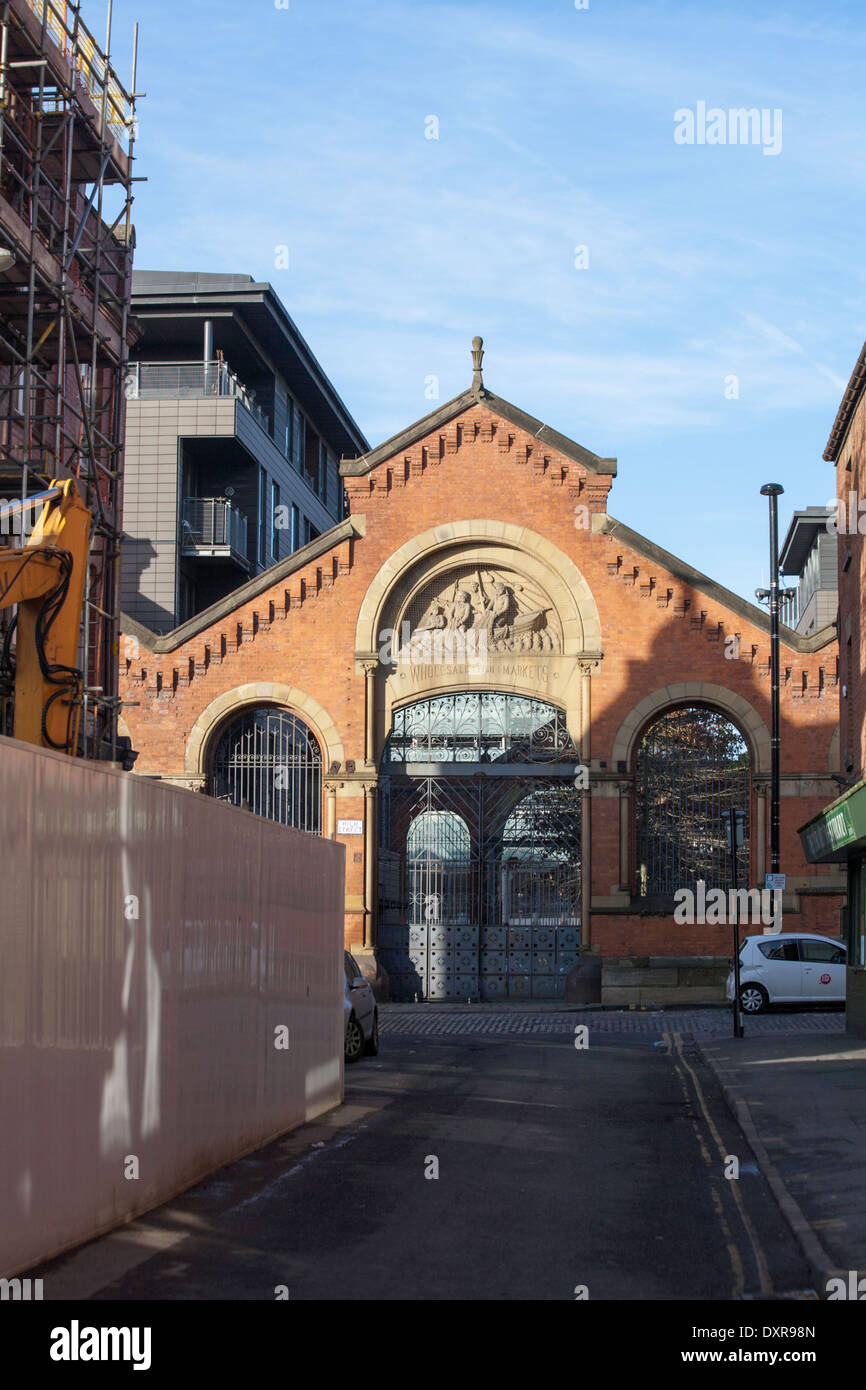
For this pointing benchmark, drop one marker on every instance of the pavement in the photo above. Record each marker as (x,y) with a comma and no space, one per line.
(801,1103)
(420,1020)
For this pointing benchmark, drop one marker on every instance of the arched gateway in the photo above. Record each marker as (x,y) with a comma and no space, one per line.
(479,848)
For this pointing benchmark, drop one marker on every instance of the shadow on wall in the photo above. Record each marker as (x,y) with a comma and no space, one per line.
(685,653)
(137,557)
(171,996)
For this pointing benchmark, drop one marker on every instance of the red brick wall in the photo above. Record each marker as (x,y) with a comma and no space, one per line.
(656,630)
(851,478)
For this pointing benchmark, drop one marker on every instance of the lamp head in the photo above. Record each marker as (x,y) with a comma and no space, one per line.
(771,489)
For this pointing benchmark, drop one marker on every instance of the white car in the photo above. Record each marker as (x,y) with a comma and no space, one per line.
(362,1015)
(789,968)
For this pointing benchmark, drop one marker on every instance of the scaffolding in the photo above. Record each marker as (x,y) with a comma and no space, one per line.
(67,136)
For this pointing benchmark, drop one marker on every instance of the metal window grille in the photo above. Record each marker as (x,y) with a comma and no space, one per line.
(692,768)
(269,762)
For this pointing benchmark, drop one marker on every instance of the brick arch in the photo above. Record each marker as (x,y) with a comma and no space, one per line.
(738,709)
(541,559)
(261,693)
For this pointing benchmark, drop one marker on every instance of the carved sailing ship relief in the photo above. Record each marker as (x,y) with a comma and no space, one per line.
(495,608)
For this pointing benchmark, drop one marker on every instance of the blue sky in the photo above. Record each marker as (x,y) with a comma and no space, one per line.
(305,127)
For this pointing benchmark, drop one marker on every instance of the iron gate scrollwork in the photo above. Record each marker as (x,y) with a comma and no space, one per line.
(479,859)
(483,726)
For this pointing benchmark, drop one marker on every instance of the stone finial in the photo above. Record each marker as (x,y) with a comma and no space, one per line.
(477,356)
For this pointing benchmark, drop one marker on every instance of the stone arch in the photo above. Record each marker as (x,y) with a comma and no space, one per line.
(738,709)
(231,702)
(544,561)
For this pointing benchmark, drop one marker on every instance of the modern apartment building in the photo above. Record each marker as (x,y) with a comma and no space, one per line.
(234,436)
(809,555)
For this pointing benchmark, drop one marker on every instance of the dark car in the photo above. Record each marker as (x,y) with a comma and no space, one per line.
(362,1015)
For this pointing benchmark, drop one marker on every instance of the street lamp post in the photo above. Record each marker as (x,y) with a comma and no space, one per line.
(736,830)
(772,491)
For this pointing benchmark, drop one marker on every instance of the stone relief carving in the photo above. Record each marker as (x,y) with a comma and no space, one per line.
(513,614)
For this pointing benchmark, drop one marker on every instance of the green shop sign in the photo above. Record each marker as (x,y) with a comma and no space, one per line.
(816,840)
(841,825)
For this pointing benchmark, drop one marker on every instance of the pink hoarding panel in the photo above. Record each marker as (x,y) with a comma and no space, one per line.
(171,993)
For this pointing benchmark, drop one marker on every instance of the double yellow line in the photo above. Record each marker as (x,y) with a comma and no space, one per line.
(674,1045)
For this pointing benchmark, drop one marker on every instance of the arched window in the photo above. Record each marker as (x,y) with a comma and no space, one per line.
(692,767)
(269,761)
(437,860)
(440,835)
(488,726)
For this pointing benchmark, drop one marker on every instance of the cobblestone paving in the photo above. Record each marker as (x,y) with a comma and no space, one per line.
(421,1019)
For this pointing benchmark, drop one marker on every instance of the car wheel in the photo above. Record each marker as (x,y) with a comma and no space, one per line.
(354,1040)
(371,1046)
(753,998)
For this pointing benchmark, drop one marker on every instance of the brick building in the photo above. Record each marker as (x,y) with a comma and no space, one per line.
(524,719)
(837,835)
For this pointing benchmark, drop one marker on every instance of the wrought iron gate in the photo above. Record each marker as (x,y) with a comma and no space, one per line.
(479,859)
(269,761)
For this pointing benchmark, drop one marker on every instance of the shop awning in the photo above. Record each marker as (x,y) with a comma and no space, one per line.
(839,830)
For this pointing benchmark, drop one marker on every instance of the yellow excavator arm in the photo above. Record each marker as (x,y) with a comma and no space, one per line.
(46,580)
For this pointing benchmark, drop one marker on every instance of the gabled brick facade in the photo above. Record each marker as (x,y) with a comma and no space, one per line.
(641,632)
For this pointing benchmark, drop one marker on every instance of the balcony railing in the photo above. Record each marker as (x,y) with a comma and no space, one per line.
(155,381)
(212,524)
(78,46)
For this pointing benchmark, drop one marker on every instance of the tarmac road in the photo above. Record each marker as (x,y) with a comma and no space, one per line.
(562,1172)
